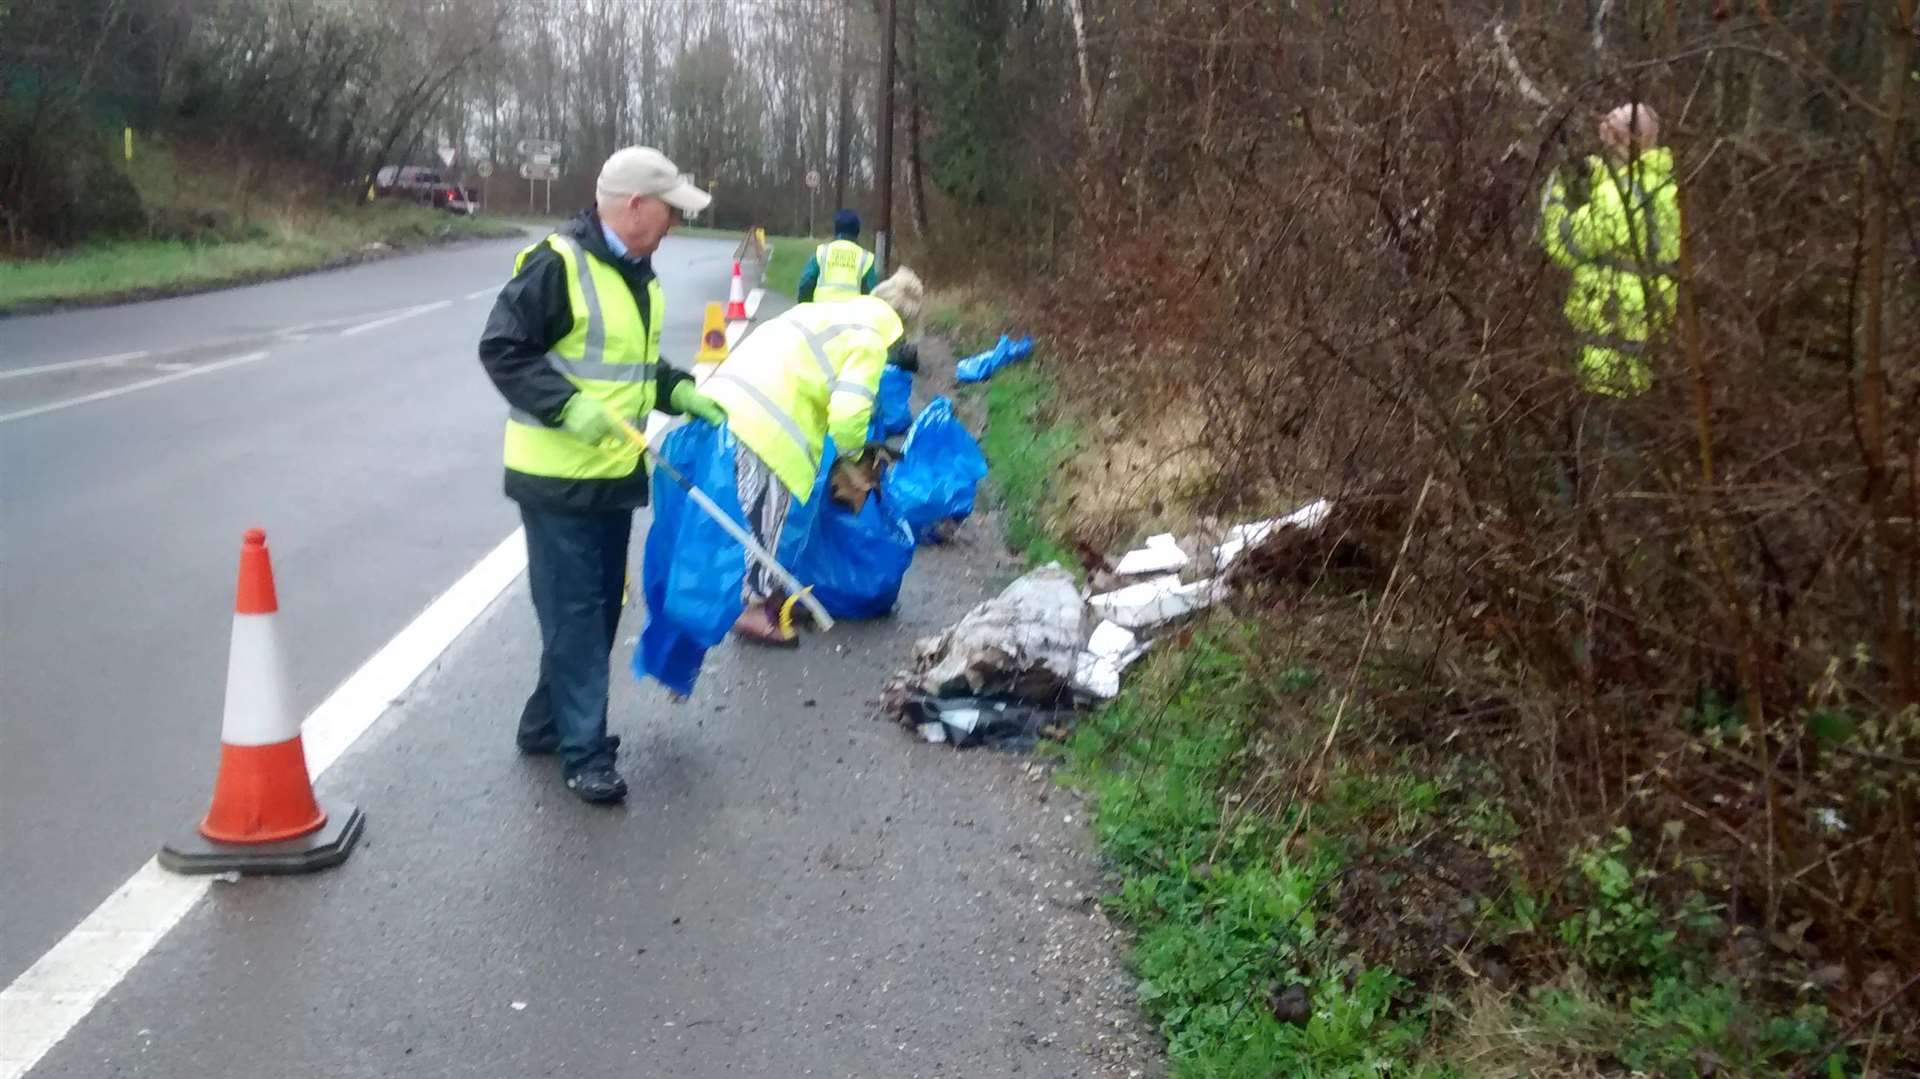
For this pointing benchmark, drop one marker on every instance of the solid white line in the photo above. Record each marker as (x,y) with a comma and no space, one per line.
(477,293)
(391,319)
(67,365)
(51,997)
(41,410)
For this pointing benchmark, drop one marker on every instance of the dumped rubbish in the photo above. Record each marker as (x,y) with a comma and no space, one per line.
(997,722)
(1109,652)
(1161,554)
(1017,665)
(1021,643)
(979,368)
(939,471)
(1158,601)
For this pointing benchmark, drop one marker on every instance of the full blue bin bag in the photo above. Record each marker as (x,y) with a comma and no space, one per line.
(693,571)
(939,471)
(979,368)
(855,562)
(893,410)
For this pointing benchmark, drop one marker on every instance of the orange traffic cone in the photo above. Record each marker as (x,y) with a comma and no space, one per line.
(264,817)
(736,297)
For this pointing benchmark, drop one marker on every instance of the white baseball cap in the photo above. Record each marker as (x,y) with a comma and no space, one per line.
(643,170)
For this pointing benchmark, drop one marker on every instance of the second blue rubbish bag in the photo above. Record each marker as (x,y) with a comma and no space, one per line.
(938,473)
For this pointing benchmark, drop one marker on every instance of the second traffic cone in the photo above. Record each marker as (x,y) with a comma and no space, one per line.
(264,817)
(736,297)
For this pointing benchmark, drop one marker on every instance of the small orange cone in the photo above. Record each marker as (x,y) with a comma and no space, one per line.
(264,817)
(736,297)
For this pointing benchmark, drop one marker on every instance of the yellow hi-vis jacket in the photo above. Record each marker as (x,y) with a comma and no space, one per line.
(611,353)
(843,266)
(1621,245)
(812,372)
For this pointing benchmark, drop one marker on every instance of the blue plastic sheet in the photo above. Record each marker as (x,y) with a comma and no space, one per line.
(979,368)
(693,571)
(856,562)
(893,411)
(938,473)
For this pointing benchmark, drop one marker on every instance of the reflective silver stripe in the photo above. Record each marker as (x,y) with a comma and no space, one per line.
(593,362)
(785,421)
(844,386)
(603,372)
(818,343)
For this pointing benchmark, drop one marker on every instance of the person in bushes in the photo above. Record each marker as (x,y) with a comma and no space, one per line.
(812,372)
(840,269)
(1621,244)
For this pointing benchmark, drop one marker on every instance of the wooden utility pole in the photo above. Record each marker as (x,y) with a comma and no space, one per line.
(843,132)
(883,232)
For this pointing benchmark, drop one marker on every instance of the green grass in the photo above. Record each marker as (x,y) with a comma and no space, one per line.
(1025,448)
(790,255)
(1230,925)
(155,267)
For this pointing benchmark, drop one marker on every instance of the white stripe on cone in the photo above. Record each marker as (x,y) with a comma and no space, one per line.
(258,712)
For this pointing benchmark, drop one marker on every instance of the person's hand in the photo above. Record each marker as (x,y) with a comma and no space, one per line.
(688,399)
(586,419)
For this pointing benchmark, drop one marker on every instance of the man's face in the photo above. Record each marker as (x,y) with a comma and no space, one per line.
(648,222)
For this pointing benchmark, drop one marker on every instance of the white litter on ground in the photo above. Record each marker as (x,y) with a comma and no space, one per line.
(1109,652)
(1240,538)
(1150,603)
(1161,554)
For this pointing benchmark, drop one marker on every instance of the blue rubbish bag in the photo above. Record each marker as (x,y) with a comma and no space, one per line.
(893,411)
(981,367)
(693,571)
(855,562)
(939,470)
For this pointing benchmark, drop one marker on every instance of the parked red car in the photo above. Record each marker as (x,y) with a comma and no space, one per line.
(425,187)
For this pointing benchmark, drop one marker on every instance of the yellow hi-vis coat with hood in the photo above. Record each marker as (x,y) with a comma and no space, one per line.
(812,372)
(1622,245)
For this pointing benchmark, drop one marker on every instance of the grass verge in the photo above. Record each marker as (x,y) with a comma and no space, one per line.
(1025,444)
(136,269)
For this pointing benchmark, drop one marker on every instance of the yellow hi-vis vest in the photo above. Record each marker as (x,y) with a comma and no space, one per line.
(843,266)
(811,372)
(612,353)
(1621,245)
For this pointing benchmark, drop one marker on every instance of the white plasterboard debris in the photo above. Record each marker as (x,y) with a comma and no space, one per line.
(1149,603)
(1024,639)
(1160,554)
(1240,537)
(933,732)
(1109,652)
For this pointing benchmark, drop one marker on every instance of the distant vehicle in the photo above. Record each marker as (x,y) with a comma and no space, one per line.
(425,187)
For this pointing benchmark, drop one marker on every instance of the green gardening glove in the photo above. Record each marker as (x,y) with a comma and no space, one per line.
(687,398)
(586,419)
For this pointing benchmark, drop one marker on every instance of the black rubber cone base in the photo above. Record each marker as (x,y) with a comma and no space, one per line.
(192,853)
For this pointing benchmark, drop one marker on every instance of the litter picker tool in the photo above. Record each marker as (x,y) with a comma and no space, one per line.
(729,525)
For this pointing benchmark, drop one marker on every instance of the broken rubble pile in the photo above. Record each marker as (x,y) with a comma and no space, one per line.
(1012,668)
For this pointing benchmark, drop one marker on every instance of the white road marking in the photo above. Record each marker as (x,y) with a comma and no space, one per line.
(490,290)
(391,319)
(68,365)
(51,997)
(87,399)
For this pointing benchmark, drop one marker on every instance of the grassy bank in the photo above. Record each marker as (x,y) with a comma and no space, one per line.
(1331,860)
(263,249)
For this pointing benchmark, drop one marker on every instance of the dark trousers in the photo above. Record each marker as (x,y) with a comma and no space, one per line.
(576,570)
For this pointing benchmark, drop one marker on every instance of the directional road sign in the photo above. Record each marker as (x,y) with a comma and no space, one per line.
(531,171)
(530,147)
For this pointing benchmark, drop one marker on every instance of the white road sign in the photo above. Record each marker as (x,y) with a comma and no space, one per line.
(484,168)
(447,154)
(540,159)
(530,147)
(531,171)
(813,179)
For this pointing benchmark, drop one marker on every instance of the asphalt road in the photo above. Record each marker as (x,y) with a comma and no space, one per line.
(345,413)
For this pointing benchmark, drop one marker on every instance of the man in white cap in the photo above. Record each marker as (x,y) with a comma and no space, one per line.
(573,344)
